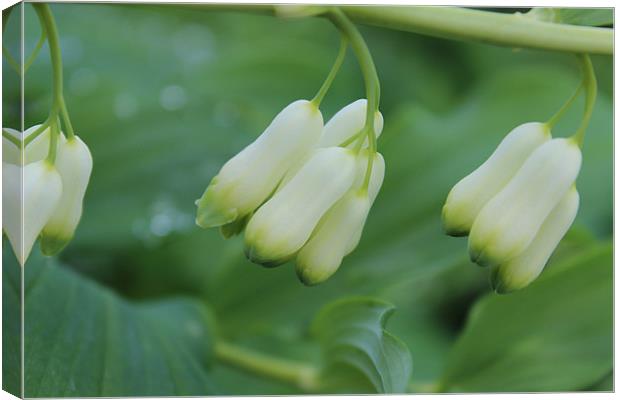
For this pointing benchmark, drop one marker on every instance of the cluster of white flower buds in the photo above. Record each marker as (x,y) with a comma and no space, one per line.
(40,198)
(300,190)
(517,206)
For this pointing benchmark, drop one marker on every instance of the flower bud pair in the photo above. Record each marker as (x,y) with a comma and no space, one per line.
(518,205)
(51,205)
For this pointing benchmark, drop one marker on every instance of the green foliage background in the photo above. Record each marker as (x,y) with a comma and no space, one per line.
(165,95)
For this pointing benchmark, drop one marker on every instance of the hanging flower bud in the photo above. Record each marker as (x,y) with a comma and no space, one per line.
(42,188)
(344,125)
(520,271)
(284,223)
(340,229)
(250,177)
(508,223)
(36,150)
(74,163)
(348,122)
(468,196)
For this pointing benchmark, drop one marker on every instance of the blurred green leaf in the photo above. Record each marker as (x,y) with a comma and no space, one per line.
(84,340)
(11,323)
(353,336)
(555,335)
(585,16)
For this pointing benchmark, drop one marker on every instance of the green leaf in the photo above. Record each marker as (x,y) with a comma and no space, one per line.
(585,16)
(83,340)
(574,16)
(555,335)
(356,344)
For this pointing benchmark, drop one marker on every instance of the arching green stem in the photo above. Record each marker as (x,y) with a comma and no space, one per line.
(558,115)
(35,51)
(332,73)
(591,89)
(55,132)
(49,26)
(12,61)
(369,72)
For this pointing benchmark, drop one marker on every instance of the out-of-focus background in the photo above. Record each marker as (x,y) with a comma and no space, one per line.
(164,95)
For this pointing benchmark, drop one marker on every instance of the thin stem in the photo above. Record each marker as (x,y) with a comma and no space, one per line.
(11,138)
(332,73)
(49,25)
(35,51)
(514,30)
(65,118)
(299,374)
(558,115)
(371,80)
(37,132)
(51,155)
(590,85)
(12,62)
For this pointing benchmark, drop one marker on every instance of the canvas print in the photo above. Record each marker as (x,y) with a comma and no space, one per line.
(284,199)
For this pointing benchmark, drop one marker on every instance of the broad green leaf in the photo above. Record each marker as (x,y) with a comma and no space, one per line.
(574,16)
(585,16)
(355,343)
(11,324)
(84,340)
(555,335)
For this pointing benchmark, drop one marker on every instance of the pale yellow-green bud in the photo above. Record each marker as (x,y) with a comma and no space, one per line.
(469,195)
(35,198)
(340,229)
(348,122)
(508,223)
(520,271)
(250,177)
(74,163)
(282,225)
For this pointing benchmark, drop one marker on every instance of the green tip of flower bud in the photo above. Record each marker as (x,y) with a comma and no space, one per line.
(498,284)
(252,254)
(52,244)
(450,227)
(312,276)
(234,228)
(209,216)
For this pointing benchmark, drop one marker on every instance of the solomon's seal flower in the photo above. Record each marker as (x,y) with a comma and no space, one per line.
(285,222)
(520,271)
(508,223)
(467,197)
(250,177)
(340,229)
(42,188)
(74,163)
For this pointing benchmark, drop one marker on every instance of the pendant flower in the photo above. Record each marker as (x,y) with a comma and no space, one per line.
(518,205)
(52,192)
(300,191)
(250,177)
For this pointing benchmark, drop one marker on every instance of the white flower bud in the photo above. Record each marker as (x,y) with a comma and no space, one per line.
(251,176)
(321,256)
(339,231)
(520,271)
(36,150)
(74,163)
(348,122)
(42,188)
(508,223)
(469,195)
(284,223)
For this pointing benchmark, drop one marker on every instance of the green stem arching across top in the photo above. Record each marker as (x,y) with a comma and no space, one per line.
(591,89)
(371,80)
